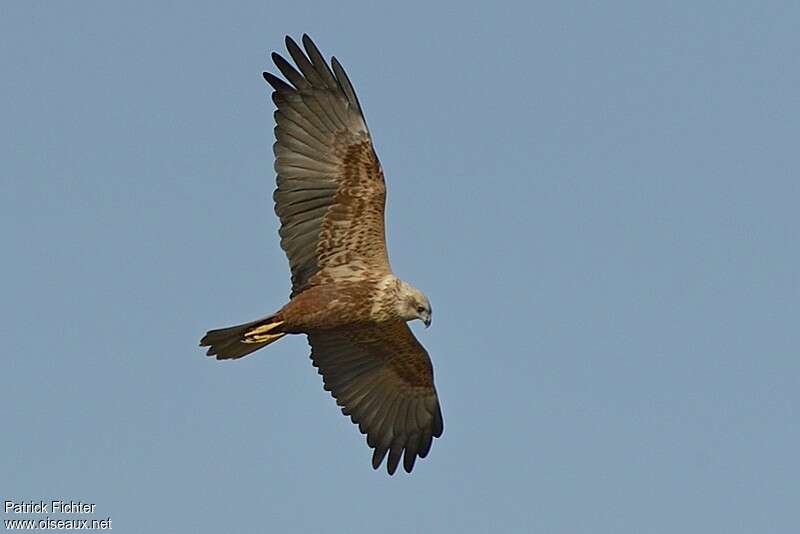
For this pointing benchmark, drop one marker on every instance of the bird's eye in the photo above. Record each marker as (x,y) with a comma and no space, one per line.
(420,309)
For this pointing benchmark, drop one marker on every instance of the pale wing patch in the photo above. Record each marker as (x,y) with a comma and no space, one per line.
(383,288)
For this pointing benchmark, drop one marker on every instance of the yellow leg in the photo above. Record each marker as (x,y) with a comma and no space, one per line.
(260,334)
(262,338)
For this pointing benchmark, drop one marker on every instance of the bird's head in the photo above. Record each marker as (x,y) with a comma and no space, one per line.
(412,303)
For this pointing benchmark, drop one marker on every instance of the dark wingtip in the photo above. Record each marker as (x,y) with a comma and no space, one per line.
(408,462)
(377,456)
(291,43)
(425,446)
(438,422)
(279,85)
(395,453)
(391,466)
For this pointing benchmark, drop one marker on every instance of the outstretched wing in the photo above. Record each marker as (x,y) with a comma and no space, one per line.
(331,194)
(383,379)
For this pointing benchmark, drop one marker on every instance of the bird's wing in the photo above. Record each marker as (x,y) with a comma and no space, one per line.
(331,194)
(382,378)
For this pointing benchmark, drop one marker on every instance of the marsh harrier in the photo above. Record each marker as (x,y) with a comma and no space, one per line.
(330,200)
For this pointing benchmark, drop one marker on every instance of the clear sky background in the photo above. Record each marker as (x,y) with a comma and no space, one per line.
(600,200)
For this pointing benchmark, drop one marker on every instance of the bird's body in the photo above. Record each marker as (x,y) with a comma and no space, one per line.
(330,200)
(341,303)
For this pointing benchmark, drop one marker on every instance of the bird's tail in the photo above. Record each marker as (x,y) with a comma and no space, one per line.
(240,340)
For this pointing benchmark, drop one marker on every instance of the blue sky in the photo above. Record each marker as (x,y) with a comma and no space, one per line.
(600,200)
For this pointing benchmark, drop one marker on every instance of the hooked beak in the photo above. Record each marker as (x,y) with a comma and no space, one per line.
(427,321)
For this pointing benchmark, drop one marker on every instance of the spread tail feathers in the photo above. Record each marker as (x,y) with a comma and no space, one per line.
(240,340)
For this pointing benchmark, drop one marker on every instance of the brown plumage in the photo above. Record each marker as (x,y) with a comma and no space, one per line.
(330,200)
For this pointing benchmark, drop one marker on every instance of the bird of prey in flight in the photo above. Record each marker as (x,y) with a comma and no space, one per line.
(330,200)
